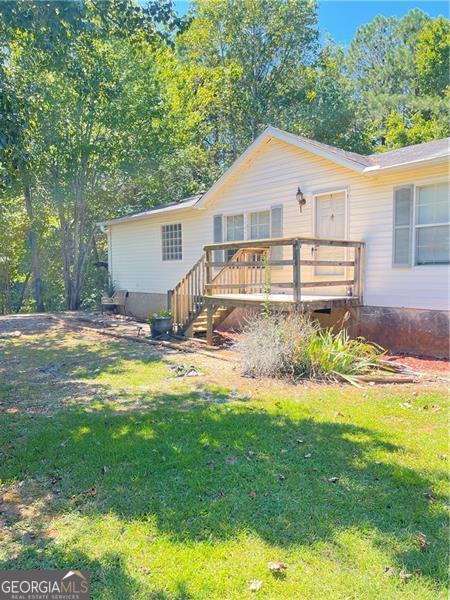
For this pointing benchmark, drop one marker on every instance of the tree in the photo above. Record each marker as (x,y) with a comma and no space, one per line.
(386,63)
(70,67)
(241,59)
(432,57)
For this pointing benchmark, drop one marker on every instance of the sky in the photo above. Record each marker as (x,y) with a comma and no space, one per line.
(341,18)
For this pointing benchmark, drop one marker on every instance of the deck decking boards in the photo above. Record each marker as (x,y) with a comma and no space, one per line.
(307,301)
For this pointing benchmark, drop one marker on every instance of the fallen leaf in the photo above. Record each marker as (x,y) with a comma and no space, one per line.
(106,469)
(211,464)
(333,479)
(281,477)
(299,441)
(389,571)
(307,455)
(423,542)
(255,585)
(277,567)
(252,495)
(404,576)
(231,460)
(90,492)
(145,570)
(339,414)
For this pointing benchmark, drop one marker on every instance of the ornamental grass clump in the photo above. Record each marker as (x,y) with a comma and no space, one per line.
(328,355)
(273,345)
(268,343)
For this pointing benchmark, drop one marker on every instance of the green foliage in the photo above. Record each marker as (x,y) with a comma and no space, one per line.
(108,108)
(273,345)
(432,57)
(162,314)
(330,355)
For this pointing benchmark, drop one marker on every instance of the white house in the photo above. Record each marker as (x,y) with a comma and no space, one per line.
(396,202)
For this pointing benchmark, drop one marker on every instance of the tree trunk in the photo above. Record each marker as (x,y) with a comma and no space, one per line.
(22,293)
(35,259)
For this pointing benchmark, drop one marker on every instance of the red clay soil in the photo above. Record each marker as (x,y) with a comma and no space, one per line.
(422,363)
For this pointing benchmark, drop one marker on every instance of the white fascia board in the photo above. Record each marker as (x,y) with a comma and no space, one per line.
(152,213)
(435,160)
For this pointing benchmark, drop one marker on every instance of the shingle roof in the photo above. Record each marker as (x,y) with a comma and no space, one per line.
(439,149)
(408,154)
(184,203)
(392,158)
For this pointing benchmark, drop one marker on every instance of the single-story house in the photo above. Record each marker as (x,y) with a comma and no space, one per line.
(388,214)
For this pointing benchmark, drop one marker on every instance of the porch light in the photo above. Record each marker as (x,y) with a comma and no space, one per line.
(300,198)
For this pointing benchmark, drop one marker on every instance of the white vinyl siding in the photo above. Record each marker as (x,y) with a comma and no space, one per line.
(271,179)
(432,224)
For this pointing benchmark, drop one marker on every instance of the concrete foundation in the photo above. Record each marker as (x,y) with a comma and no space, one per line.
(403,330)
(142,304)
(406,330)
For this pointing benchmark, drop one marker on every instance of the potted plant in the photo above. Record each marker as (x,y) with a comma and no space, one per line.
(160,323)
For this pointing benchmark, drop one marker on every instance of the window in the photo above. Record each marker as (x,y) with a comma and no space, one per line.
(432,224)
(235,232)
(172,248)
(260,225)
(421,225)
(235,228)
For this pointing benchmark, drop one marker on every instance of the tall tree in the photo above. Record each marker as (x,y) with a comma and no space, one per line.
(388,79)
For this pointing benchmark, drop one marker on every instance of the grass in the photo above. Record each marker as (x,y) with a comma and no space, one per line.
(170,489)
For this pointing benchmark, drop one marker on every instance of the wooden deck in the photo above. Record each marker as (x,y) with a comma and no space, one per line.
(260,270)
(307,302)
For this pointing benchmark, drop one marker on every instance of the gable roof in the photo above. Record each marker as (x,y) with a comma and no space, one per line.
(185,203)
(410,154)
(364,164)
(427,152)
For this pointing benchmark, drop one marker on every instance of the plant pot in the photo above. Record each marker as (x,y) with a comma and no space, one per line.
(161,326)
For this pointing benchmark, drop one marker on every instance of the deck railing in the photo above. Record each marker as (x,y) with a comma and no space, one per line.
(249,271)
(261,269)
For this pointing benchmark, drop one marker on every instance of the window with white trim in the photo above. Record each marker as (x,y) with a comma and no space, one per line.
(421,225)
(234,232)
(432,224)
(172,244)
(259,225)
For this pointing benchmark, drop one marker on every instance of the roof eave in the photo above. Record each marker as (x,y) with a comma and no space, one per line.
(289,138)
(149,215)
(435,160)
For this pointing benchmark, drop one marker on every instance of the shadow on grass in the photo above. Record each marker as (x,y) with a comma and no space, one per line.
(213,472)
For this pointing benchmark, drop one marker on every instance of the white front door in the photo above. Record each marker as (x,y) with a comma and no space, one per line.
(330,223)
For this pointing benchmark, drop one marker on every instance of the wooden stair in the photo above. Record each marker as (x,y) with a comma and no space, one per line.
(186,300)
(199,325)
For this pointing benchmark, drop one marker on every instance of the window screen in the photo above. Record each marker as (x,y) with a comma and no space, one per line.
(172,248)
(432,224)
(260,225)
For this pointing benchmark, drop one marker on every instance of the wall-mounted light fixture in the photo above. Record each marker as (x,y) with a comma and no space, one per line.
(300,198)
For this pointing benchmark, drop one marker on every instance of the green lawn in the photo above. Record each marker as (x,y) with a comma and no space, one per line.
(173,489)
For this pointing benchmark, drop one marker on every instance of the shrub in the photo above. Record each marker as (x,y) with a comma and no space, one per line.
(328,355)
(272,345)
(268,343)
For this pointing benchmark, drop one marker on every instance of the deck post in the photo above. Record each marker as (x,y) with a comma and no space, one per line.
(296,249)
(357,273)
(208,268)
(209,323)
